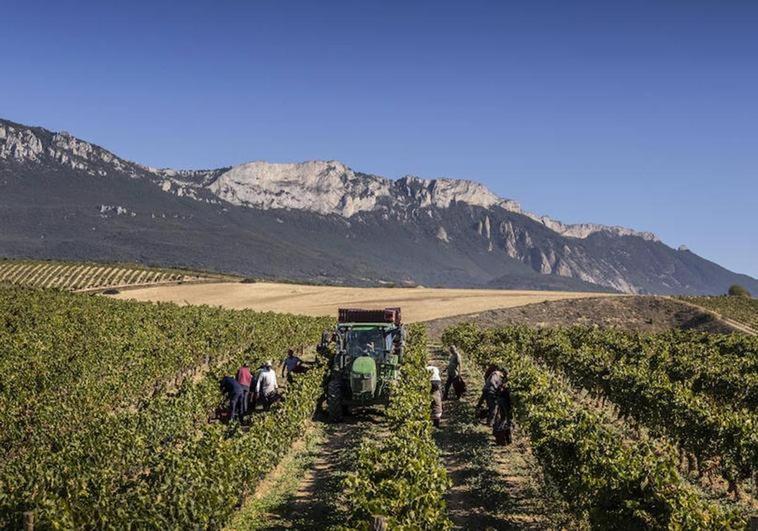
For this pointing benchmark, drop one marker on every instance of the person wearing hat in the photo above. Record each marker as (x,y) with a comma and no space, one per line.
(436,391)
(266,386)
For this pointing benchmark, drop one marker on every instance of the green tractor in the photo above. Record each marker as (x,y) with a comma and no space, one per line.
(367,357)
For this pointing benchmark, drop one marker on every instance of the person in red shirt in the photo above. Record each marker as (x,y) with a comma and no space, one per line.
(244,378)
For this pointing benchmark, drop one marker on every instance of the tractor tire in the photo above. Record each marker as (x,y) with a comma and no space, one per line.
(334,400)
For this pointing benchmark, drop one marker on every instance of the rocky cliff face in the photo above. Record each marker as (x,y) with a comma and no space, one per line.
(339,223)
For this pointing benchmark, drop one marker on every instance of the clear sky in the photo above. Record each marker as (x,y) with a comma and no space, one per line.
(637,113)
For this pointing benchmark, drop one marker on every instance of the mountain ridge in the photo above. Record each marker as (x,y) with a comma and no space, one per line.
(482,239)
(439,191)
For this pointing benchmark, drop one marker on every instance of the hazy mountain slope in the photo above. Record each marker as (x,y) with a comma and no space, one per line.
(61,197)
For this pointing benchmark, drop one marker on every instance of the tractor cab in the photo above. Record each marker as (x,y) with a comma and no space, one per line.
(369,353)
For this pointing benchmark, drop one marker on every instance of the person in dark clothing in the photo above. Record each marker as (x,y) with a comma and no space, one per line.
(501,428)
(398,343)
(253,397)
(236,394)
(290,365)
(327,338)
(489,394)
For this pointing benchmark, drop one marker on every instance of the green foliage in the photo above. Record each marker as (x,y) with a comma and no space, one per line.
(400,476)
(600,475)
(735,290)
(635,372)
(95,441)
(740,309)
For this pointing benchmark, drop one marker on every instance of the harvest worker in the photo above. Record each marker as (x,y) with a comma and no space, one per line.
(254,385)
(290,363)
(266,386)
(504,416)
(234,392)
(489,393)
(398,343)
(244,378)
(436,395)
(327,337)
(454,366)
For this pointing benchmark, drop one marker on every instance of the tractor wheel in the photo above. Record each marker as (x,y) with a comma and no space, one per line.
(334,400)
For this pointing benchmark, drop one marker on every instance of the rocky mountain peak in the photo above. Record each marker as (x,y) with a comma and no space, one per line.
(325,187)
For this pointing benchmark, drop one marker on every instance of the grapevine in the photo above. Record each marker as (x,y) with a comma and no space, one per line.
(157,463)
(601,477)
(400,477)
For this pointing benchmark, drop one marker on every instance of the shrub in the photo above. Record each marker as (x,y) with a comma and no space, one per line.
(735,290)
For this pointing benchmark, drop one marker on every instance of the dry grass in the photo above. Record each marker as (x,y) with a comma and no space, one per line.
(418,304)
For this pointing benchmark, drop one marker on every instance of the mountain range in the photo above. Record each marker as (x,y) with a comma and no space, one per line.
(317,221)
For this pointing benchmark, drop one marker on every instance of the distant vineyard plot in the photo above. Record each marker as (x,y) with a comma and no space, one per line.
(741,309)
(89,276)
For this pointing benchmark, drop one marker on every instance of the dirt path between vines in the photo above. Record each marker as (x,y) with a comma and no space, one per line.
(314,503)
(494,487)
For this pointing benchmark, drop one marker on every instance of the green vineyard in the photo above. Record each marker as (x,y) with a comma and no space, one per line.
(109,417)
(741,309)
(105,405)
(82,277)
(623,464)
(400,476)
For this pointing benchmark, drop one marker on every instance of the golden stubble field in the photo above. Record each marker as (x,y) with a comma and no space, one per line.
(418,304)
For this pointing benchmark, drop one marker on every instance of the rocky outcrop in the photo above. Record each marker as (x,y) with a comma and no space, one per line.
(19,144)
(326,187)
(583,230)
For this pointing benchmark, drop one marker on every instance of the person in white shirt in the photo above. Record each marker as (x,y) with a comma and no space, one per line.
(434,373)
(266,387)
(436,391)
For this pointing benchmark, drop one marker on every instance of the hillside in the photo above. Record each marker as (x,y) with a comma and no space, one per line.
(631,313)
(75,276)
(64,198)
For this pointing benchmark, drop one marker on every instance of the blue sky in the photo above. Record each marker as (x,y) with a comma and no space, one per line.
(639,113)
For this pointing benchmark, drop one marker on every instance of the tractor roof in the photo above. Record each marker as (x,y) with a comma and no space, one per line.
(358,315)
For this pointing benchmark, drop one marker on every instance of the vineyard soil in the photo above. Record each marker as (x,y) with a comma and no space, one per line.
(303,492)
(634,313)
(419,304)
